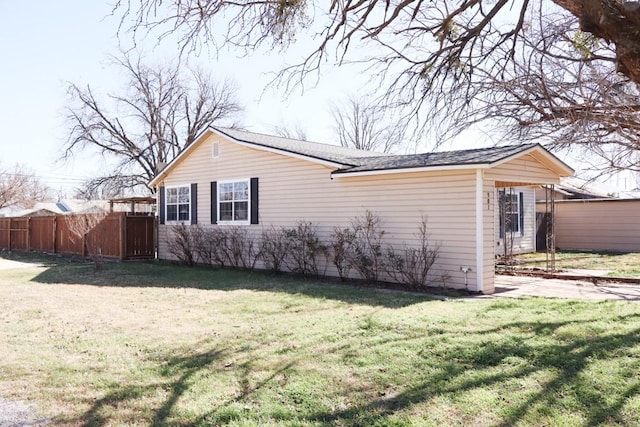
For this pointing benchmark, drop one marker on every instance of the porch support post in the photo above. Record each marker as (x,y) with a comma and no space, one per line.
(479,231)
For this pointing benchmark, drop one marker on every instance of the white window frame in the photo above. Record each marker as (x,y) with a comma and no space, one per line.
(219,201)
(166,205)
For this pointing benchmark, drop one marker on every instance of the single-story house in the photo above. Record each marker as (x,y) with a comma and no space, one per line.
(286,180)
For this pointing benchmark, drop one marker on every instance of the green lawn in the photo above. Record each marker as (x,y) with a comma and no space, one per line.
(617,264)
(157,344)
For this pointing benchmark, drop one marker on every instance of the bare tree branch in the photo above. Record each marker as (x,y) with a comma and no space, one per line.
(448,64)
(20,187)
(363,124)
(554,94)
(149,122)
(286,131)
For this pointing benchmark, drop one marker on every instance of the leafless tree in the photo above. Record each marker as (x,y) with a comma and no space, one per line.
(428,41)
(562,91)
(20,187)
(365,125)
(287,131)
(160,111)
(108,187)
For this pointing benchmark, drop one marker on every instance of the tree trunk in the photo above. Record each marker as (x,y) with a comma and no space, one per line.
(614,21)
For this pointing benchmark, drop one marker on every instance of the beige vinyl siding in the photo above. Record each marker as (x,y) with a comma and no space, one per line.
(525,242)
(524,170)
(292,189)
(489,209)
(608,225)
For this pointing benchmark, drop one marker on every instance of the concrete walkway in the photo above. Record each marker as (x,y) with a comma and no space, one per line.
(7,264)
(519,286)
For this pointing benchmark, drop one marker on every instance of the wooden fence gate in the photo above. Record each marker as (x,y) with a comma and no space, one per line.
(118,235)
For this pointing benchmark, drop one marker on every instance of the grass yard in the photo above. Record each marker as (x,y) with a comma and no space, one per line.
(157,344)
(618,264)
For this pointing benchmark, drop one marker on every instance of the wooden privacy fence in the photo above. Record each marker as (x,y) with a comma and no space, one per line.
(118,235)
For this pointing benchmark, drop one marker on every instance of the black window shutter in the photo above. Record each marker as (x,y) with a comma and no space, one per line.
(521,214)
(194,203)
(501,211)
(161,208)
(214,202)
(254,200)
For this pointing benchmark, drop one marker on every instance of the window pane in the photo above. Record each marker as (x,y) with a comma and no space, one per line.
(241,211)
(183,212)
(226,191)
(183,195)
(172,195)
(172,213)
(226,211)
(512,203)
(241,190)
(513,223)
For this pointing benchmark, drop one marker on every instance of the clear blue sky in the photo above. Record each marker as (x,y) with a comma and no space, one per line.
(48,45)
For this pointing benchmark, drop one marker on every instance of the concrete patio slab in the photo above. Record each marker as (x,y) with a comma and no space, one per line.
(519,286)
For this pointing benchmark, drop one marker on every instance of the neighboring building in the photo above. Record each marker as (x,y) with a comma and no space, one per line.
(62,207)
(279,181)
(574,188)
(597,225)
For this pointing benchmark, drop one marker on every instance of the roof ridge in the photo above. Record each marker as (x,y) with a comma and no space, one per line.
(304,141)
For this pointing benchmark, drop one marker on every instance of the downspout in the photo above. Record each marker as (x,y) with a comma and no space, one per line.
(479,231)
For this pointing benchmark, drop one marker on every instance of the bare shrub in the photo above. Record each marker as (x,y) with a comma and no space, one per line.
(79,228)
(209,244)
(239,247)
(182,244)
(341,247)
(412,265)
(305,249)
(274,248)
(366,254)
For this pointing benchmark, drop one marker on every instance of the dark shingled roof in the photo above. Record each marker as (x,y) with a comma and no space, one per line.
(476,156)
(331,153)
(360,160)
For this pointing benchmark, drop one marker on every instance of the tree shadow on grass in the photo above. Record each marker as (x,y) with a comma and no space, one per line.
(168,275)
(179,372)
(567,361)
(463,369)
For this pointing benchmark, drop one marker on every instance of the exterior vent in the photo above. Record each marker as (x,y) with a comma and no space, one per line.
(215,150)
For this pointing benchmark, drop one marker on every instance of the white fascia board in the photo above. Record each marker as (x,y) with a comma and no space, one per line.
(410,170)
(182,154)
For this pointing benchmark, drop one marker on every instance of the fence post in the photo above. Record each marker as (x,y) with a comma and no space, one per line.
(54,229)
(122,221)
(28,234)
(10,234)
